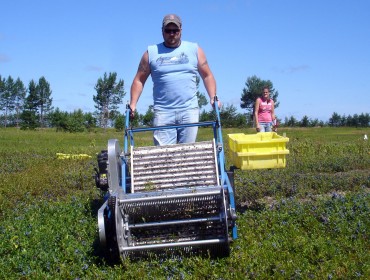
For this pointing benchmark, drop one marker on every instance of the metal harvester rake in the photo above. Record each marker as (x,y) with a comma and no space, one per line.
(171,199)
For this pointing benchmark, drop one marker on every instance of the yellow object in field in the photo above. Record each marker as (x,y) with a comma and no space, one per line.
(72,156)
(258,151)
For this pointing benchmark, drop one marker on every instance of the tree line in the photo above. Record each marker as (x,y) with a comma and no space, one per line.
(31,107)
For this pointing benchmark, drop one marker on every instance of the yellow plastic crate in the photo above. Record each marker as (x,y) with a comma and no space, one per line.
(258,151)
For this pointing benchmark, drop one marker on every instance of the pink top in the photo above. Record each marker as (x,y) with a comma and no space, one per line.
(264,110)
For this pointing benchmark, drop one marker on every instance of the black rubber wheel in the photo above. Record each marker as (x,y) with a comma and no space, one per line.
(112,251)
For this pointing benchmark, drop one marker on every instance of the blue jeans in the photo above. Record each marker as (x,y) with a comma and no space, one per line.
(175,135)
(265,126)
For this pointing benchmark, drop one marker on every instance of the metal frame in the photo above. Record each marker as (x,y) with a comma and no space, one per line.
(120,186)
(217,132)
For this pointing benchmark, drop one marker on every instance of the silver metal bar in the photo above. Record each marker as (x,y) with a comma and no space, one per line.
(132,168)
(176,244)
(215,155)
(181,166)
(187,221)
(154,198)
(158,177)
(194,182)
(173,148)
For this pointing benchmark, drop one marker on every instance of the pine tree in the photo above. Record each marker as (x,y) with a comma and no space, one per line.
(44,100)
(110,93)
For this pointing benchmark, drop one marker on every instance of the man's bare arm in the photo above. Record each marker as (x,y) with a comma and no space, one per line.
(207,76)
(140,78)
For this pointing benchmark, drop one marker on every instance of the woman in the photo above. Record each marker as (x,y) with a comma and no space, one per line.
(264,115)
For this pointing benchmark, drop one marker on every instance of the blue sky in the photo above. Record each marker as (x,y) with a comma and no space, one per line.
(315,52)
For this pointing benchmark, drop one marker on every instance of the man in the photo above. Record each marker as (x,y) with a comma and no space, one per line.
(173,66)
(264,112)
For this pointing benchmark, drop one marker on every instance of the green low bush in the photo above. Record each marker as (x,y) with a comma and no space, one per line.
(306,221)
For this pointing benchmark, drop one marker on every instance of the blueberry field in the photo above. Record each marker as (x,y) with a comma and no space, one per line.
(310,220)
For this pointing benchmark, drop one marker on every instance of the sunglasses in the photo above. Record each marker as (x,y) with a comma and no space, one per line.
(170,31)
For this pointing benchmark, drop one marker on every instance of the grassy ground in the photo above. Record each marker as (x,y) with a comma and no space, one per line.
(309,220)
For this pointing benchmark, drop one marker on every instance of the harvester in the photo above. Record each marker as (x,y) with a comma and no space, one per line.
(171,199)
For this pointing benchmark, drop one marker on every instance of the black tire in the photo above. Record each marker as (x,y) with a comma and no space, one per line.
(112,251)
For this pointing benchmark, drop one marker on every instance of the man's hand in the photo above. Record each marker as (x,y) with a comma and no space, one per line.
(132,115)
(218,102)
(132,112)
